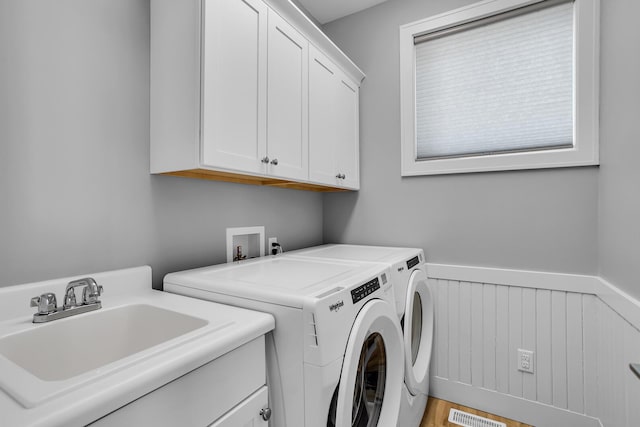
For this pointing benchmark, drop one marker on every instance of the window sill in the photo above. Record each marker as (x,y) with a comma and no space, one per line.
(500,162)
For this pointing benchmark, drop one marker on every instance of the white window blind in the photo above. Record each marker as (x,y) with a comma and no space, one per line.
(503,86)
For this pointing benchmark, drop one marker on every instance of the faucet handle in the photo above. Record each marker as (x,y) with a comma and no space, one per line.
(46,303)
(91,293)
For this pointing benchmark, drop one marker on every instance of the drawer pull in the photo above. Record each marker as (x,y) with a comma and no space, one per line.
(265,413)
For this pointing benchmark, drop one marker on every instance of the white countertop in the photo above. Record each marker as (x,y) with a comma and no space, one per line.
(94,394)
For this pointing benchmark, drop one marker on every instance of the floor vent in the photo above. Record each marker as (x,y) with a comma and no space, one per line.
(469,420)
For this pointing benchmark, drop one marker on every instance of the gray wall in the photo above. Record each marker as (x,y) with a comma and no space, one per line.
(620,145)
(77,198)
(76,193)
(539,220)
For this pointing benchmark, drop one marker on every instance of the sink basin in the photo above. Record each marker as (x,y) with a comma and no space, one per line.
(46,360)
(63,349)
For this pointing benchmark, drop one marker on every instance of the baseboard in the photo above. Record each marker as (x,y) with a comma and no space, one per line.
(504,405)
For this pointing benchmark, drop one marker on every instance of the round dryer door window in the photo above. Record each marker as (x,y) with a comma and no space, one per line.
(418,333)
(371,381)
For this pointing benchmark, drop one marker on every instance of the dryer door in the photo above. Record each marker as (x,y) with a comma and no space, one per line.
(418,333)
(371,381)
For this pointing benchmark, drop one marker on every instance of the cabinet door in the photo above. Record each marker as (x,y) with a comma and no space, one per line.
(201,396)
(322,118)
(247,413)
(234,61)
(287,93)
(347,132)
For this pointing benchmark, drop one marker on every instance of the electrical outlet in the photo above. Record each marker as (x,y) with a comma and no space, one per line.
(269,244)
(525,361)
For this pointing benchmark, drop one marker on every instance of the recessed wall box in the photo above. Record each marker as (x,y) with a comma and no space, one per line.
(245,243)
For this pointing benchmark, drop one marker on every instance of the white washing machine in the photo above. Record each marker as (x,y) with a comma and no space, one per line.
(336,356)
(414,307)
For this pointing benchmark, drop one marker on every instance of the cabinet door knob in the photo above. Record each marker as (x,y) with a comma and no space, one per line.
(341,176)
(274,162)
(265,159)
(265,413)
(344,176)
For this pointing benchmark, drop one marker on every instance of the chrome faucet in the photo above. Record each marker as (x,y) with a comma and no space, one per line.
(90,293)
(47,305)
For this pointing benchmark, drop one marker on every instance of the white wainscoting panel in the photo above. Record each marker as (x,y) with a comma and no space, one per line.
(582,348)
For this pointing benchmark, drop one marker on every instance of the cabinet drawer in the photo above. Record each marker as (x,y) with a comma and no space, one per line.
(247,413)
(201,396)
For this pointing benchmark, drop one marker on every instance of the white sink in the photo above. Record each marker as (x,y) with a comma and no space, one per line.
(46,360)
(75,370)
(66,348)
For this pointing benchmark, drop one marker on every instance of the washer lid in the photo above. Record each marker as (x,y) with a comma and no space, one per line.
(280,280)
(370,386)
(387,254)
(418,333)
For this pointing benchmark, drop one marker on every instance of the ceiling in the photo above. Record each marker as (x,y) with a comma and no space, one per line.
(329,10)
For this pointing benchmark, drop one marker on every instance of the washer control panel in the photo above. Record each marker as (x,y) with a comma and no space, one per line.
(412,262)
(365,290)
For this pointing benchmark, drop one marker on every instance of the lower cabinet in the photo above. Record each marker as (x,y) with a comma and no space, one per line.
(253,412)
(228,391)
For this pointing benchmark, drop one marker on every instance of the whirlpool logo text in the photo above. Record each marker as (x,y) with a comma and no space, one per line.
(336,306)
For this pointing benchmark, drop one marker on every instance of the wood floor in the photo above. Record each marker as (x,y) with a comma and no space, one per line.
(437,414)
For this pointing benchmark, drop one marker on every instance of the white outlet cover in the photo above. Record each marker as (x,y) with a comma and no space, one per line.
(270,241)
(526,361)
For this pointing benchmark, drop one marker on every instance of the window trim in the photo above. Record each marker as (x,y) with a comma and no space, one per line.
(586,95)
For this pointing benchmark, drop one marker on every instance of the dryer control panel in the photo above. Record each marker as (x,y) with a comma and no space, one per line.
(413,262)
(365,290)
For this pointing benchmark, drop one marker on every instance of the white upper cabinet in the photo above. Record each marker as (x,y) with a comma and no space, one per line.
(288,93)
(322,134)
(234,84)
(348,132)
(333,124)
(239,93)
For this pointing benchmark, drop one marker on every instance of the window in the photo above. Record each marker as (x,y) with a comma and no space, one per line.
(500,85)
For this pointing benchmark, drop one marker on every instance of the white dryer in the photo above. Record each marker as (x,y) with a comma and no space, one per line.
(335,356)
(414,307)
